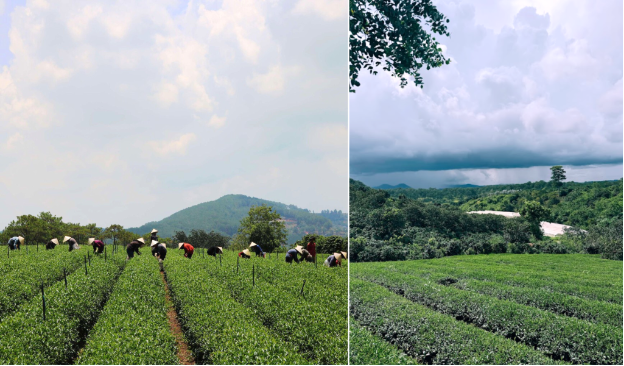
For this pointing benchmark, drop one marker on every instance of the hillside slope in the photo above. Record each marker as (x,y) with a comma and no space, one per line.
(224,214)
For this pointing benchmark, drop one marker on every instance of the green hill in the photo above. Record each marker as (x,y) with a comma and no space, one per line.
(224,215)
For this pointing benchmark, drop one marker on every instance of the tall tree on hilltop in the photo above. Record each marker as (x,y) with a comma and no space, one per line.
(558,175)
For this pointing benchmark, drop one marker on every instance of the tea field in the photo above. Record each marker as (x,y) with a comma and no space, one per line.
(112,311)
(488,309)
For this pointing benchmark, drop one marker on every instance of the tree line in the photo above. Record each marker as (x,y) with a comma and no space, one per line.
(262,225)
(387,227)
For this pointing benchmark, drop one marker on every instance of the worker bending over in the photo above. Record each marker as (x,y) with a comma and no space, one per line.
(213,251)
(188,249)
(245,254)
(52,244)
(98,245)
(133,247)
(257,249)
(335,259)
(73,244)
(159,250)
(16,242)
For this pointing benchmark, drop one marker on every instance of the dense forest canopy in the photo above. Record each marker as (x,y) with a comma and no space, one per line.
(390,225)
(571,203)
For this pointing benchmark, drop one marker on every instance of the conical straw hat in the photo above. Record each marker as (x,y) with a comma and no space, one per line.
(66,238)
(91,240)
(21,239)
(180,245)
(154,231)
(221,249)
(253,244)
(246,251)
(344,255)
(337,255)
(55,241)
(154,243)
(298,248)
(141,240)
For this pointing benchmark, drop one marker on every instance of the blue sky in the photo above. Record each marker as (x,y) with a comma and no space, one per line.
(125,112)
(531,84)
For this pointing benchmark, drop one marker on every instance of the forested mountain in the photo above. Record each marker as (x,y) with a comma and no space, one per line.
(224,214)
(575,204)
(388,186)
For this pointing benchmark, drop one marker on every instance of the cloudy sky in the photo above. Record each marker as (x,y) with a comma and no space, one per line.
(531,84)
(127,111)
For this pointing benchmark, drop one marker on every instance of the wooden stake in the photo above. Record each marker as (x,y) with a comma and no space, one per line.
(104,254)
(237,258)
(65,277)
(253,275)
(220,263)
(86,271)
(44,304)
(301,293)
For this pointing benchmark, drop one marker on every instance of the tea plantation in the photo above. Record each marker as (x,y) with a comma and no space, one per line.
(111,311)
(488,309)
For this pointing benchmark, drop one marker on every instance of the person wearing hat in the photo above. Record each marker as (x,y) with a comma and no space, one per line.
(16,242)
(154,235)
(98,245)
(188,249)
(133,247)
(159,250)
(307,256)
(292,254)
(311,247)
(257,249)
(213,251)
(52,244)
(335,259)
(73,244)
(246,254)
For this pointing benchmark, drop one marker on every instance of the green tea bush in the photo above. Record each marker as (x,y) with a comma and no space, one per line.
(133,328)
(315,323)
(25,338)
(219,329)
(431,337)
(366,348)
(25,274)
(562,338)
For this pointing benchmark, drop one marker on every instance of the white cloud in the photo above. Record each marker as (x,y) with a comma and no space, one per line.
(113,100)
(535,89)
(327,9)
(273,81)
(572,61)
(79,22)
(216,121)
(14,141)
(175,147)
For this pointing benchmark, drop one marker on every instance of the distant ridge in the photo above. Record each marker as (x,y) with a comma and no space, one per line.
(388,186)
(224,214)
(462,186)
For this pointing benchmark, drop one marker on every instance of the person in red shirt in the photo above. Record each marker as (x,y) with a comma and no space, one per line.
(311,247)
(246,254)
(188,249)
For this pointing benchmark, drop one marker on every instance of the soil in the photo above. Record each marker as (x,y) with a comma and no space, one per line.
(184,354)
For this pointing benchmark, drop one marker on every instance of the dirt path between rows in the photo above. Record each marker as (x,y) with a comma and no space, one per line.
(184,354)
